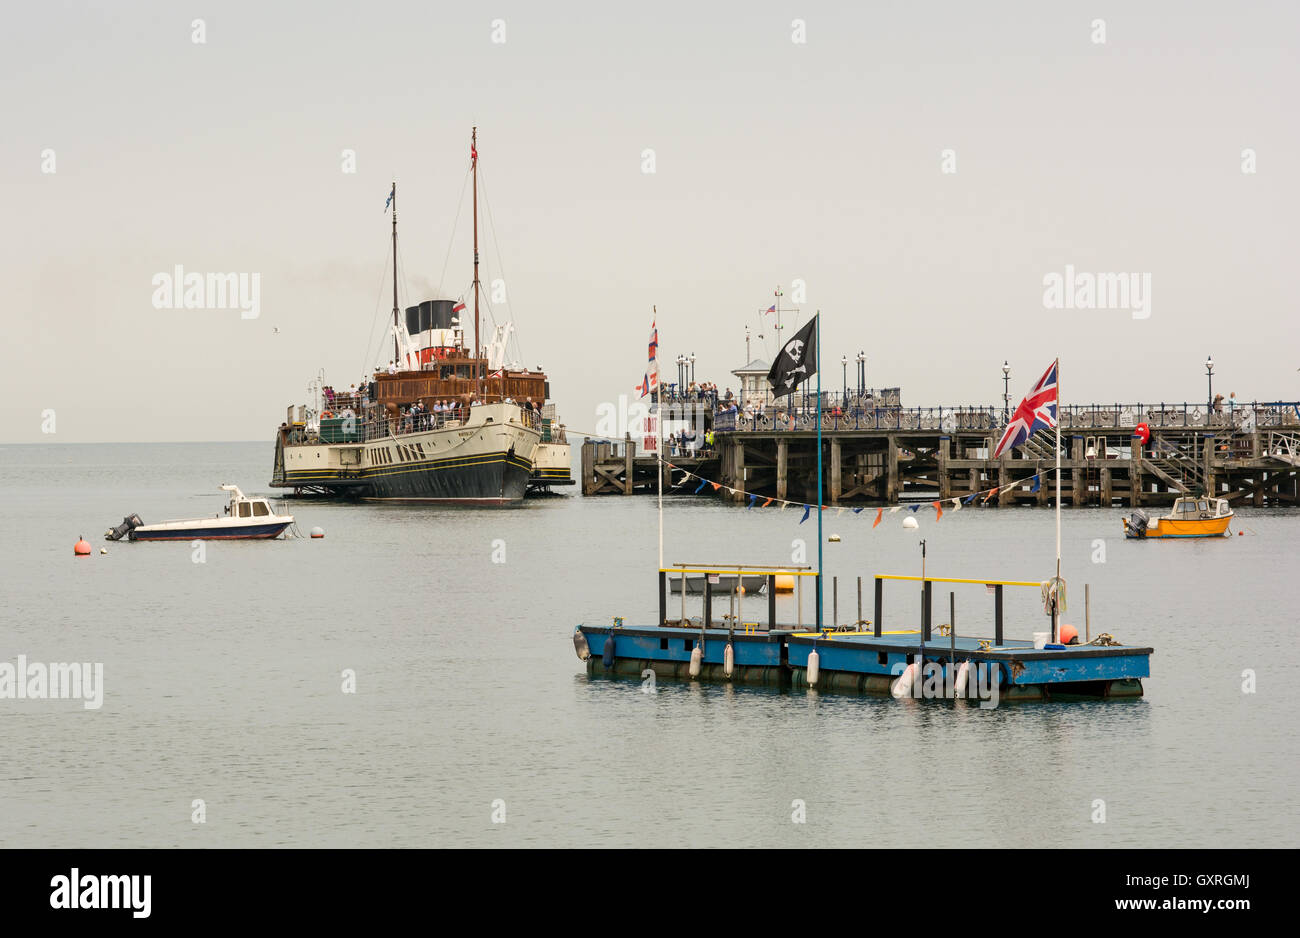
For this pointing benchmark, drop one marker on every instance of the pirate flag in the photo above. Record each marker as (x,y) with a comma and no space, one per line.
(796,362)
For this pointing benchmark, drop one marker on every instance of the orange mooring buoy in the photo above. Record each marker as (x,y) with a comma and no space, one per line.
(81,548)
(1067,634)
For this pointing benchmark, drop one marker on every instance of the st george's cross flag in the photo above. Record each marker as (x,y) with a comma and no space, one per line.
(796,362)
(650,381)
(1036,412)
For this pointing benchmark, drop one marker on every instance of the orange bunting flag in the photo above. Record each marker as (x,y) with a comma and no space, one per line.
(766,503)
(879,512)
(991,493)
(938,510)
(716,486)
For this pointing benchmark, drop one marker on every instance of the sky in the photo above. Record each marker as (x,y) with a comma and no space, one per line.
(922,170)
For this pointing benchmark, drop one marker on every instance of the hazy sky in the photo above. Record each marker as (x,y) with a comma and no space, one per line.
(775,160)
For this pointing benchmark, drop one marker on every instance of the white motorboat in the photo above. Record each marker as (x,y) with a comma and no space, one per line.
(245,519)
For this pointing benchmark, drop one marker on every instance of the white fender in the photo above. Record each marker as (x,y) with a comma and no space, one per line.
(697,658)
(814,667)
(903,686)
(728,660)
(963,679)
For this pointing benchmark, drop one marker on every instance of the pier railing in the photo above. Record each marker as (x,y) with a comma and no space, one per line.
(1075,416)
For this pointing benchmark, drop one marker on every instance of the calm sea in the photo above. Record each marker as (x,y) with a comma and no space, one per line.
(223,678)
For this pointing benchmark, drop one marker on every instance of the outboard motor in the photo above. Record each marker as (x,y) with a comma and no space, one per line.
(129,524)
(1137,523)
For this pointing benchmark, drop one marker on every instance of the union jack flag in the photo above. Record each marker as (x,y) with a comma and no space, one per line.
(1036,412)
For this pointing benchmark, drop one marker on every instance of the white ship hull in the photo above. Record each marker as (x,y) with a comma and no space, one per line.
(486,460)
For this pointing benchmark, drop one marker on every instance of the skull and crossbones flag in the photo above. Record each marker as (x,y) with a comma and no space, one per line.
(796,362)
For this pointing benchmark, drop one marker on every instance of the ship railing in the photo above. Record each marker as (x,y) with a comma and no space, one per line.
(531,418)
(334,404)
(375,426)
(372,428)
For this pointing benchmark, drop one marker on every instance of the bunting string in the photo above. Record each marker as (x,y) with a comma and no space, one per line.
(955,503)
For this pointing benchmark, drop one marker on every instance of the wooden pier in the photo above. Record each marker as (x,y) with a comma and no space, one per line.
(1250,455)
(616,469)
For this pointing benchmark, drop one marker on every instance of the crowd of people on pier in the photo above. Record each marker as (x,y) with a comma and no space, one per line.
(694,393)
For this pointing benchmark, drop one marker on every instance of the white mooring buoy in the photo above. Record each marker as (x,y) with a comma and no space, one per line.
(317,532)
(910,523)
(814,667)
(697,658)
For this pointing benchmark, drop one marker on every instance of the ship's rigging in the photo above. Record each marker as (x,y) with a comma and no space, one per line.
(493,275)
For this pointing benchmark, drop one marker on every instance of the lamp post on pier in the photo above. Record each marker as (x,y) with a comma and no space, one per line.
(844,364)
(862,373)
(1209,390)
(692,361)
(1006,391)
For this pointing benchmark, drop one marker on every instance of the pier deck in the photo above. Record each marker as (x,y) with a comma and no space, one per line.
(1250,456)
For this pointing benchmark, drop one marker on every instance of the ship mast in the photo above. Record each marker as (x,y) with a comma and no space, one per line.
(473,155)
(395,324)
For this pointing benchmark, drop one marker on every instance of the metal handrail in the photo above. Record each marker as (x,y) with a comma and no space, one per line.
(750,570)
(943,579)
(974,417)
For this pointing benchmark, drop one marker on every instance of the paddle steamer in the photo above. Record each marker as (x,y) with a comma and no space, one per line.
(445,422)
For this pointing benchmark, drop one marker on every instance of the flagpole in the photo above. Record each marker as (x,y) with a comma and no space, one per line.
(1059,417)
(818,328)
(393,196)
(659,446)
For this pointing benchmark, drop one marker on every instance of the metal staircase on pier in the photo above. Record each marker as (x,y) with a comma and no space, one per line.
(1035,448)
(1178,465)
(1284,447)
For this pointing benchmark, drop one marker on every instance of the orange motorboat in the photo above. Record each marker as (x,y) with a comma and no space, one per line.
(1191,517)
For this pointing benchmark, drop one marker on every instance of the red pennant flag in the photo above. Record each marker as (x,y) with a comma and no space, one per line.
(879,512)
(938,508)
